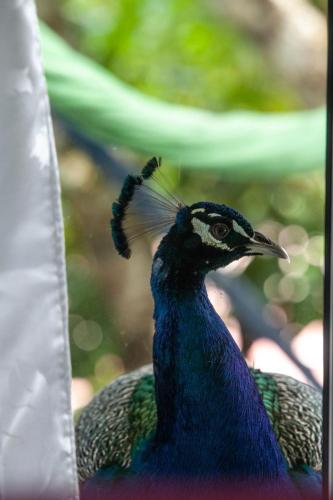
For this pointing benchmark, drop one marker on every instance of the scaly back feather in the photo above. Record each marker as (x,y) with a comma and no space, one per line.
(124,413)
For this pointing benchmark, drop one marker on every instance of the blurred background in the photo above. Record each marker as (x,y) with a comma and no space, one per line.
(217,55)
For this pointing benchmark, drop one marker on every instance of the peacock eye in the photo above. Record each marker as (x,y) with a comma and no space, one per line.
(219,230)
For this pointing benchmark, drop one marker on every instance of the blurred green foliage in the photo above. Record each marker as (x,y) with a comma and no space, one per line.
(87,304)
(176,51)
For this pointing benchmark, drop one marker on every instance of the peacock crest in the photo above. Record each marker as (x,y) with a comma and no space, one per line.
(136,190)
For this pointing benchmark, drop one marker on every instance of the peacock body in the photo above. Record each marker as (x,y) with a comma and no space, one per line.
(202,414)
(123,414)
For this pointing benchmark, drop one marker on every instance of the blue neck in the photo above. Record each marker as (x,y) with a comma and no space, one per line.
(211,419)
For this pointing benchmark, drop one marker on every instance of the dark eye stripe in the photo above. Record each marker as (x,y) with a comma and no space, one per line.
(261,238)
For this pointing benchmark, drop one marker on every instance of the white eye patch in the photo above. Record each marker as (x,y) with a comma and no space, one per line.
(202,230)
(238,229)
(197,210)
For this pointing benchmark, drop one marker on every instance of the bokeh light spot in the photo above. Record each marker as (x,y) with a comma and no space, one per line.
(293,289)
(87,335)
(271,287)
(314,252)
(294,239)
(296,267)
(108,367)
(289,203)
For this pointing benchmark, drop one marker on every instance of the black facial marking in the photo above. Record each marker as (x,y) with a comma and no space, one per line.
(261,238)
(192,242)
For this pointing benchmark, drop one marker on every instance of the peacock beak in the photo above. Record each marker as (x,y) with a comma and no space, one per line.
(261,245)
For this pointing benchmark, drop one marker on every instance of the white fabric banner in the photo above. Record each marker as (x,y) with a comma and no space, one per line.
(36,431)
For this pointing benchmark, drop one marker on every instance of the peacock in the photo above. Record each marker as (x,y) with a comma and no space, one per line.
(199,412)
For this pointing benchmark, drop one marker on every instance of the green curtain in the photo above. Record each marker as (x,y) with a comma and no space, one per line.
(240,144)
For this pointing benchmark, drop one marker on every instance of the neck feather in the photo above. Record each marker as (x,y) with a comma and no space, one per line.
(208,405)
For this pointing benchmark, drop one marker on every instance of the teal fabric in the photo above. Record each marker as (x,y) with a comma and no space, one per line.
(238,144)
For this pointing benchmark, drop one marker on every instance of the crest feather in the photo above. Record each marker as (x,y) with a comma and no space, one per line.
(163,209)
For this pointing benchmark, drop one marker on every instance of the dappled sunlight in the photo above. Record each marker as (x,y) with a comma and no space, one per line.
(82,392)
(308,347)
(268,357)
(108,367)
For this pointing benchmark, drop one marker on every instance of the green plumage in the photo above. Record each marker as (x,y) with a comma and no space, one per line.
(142,410)
(124,413)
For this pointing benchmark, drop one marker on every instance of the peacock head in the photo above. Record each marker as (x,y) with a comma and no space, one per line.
(207,236)
(200,238)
